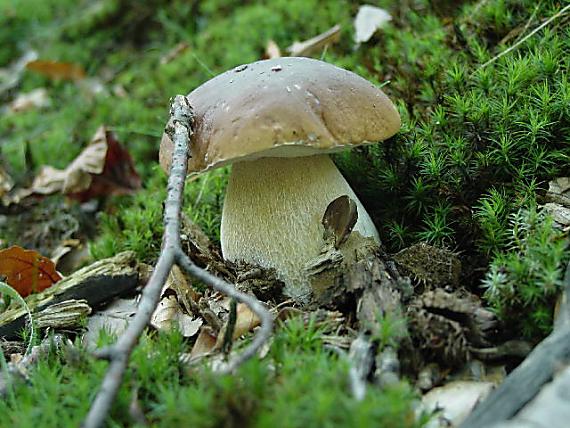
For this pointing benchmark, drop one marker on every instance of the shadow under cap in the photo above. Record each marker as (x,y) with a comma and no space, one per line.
(283,107)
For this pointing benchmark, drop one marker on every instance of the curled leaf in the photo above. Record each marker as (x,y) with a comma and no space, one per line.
(103,168)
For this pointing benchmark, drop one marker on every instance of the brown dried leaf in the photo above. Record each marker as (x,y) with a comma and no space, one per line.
(246,320)
(114,319)
(339,219)
(26,270)
(456,400)
(169,314)
(104,167)
(205,343)
(57,70)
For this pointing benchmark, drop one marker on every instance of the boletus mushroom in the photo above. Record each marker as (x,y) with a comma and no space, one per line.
(276,122)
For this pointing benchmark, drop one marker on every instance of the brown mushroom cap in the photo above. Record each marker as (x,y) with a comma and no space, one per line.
(280,108)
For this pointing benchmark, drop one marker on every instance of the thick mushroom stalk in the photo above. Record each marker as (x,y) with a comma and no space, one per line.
(273,210)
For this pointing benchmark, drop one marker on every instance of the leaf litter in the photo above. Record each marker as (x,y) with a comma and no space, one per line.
(27,271)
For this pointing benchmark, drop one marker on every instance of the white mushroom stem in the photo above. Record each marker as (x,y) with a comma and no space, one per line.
(273,210)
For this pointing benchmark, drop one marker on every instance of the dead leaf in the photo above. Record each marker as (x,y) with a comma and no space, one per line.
(246,320)
(38,98)
(315,44)
(10,77)
(205,343)
(272,50)
(368,20)
(168,314)
(69,255)
(177,302)
(103,168)
(456,400)
(114,319)
(26,270)
(57,70)
(339,219)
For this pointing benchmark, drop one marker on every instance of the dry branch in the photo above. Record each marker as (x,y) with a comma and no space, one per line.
(119,353)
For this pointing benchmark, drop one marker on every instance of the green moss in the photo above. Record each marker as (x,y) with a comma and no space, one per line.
(297,378)
(477,144)
(523,283)
(136,223)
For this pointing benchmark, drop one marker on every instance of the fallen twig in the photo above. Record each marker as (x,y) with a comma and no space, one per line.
(524,383)
(119,353)
(529,35)
(361,358)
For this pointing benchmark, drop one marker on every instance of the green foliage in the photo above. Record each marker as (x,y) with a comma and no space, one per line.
(298,378)
(492,216)
(477,144)
(468,131)
(522,283)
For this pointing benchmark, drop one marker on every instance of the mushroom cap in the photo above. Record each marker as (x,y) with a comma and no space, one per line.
(283,107)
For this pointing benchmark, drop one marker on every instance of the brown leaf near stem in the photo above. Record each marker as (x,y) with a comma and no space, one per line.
(56,69)
(205,343)
(26,270)
(246,320)
(339,219)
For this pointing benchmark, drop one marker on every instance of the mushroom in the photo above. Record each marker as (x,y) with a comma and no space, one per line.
(277,121)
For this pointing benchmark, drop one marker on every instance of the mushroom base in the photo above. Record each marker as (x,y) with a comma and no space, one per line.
(273,210)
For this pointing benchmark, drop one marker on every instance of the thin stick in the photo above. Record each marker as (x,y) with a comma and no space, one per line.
(119,353)
(255,305)
(230,327)
(529,35)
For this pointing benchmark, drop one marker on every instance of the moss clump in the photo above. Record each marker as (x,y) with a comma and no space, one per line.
(298,384)
(468,130)
(523,283)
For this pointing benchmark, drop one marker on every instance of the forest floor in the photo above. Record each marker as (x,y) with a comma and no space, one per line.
(477,173)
